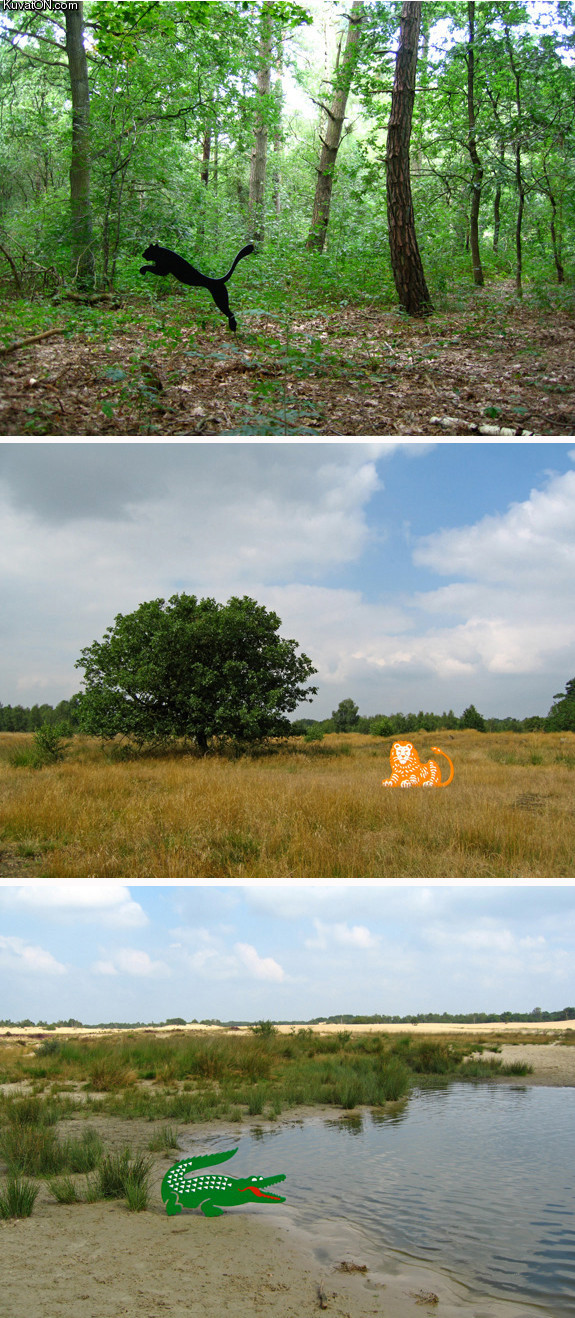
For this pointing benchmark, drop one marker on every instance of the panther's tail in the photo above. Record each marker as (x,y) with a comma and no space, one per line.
(244,252)
(435,750)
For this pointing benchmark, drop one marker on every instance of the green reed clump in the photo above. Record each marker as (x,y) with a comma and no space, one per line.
(137,1195)
(426,1056)
(36,1151)
(119,1170)
(18,1199)
(30,1111)
(64,1190)
(164,1140)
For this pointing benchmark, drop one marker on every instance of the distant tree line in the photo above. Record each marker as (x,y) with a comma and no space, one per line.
(21,718)
(448,1018)
(346,718)
(428,1018)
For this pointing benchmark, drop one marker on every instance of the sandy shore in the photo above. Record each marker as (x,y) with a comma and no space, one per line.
(100,1261)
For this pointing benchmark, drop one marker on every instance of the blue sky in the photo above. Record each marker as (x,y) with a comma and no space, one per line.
(414,575)
(103,952)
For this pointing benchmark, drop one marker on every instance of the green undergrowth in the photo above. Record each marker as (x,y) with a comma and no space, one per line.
(193,1079)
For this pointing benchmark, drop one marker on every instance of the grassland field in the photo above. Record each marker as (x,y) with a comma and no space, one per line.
(292,810)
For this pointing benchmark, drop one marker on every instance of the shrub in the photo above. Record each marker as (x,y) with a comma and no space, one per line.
(64,1190)
(137,1195)
(118,1170)
(19,1199)
(167,1138)
(30,1111)
(49,746)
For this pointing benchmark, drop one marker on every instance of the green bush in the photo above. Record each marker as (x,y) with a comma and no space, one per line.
(119,1170)
(64,1190)
(19,1199)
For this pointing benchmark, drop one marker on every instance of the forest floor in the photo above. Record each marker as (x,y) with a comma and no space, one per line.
(488,366)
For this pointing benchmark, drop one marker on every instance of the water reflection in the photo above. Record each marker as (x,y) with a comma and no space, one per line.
(477,1178)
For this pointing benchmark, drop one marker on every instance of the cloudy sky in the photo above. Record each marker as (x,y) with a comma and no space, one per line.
(102,952)
(414,575)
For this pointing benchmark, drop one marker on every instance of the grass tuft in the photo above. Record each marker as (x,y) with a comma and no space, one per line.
(64,1190)
(19,1198)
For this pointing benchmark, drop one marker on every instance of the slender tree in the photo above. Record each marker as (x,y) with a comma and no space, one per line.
(406,261)
(82,251)
(477,175)
(260,147)
(335,116)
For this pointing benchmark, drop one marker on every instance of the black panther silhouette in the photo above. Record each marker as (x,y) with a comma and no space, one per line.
(169,263)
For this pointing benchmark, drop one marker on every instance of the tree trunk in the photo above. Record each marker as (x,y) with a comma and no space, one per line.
(82,252)
(521,207)
(518,169)
(335,115)
(477,176)
(497,201)
(259,152)
(206,143)
(555,237)
(278,134)
(405,257)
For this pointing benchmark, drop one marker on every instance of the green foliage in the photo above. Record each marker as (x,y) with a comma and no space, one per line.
(346,716)
(122,1174)
(164,1140)
(472,719)
(264,1030)
(561,716)
(196,669)
(49,745)
(315,733)
(64,1190)
(18,1199)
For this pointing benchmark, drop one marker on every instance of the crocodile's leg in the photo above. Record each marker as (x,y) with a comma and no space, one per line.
(210,1209)
(171,1204)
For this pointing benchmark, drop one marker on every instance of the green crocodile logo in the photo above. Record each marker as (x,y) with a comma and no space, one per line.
(180,1190)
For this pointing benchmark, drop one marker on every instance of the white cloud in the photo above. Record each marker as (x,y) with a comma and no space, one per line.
(107,903)
(260,967)
(17,955)
(130,961)
(341,935)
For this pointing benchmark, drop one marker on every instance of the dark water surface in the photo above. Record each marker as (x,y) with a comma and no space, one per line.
(475,1178)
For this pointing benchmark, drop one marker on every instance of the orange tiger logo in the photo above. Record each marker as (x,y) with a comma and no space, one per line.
(408,771)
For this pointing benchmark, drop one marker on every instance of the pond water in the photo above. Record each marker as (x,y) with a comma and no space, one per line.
(475,1178)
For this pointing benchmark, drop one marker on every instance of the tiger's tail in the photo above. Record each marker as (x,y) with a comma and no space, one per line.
(435,750)
(244,252)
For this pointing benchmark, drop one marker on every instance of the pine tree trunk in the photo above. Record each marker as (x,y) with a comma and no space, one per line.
(477,177)
(82,253)
(335,115)
(405,256)
(260,147)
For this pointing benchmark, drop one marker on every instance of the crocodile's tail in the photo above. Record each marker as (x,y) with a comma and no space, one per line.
(207,1160)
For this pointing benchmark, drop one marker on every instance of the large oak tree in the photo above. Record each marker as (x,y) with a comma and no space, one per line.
(194,669)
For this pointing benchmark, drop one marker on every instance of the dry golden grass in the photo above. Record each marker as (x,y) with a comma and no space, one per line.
(304,811)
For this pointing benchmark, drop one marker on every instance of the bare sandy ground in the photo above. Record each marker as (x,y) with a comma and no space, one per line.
(100,1261)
